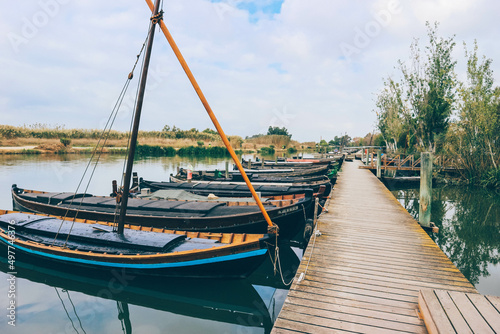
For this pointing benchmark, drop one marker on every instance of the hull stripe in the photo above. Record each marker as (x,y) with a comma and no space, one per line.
(141,265)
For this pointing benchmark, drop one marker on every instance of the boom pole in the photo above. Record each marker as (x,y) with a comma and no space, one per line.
(204,101)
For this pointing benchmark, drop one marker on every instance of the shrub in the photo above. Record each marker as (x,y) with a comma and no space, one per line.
(65,141)
(267,150)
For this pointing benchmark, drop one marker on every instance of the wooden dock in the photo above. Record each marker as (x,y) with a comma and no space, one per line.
(365,271)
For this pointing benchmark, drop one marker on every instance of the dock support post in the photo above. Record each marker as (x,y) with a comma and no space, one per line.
(379,163)
(227,169)
(371,160)
(315,217)
(367,157)
(424,213)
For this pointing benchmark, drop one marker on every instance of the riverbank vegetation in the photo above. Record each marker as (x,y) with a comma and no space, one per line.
(41,138)
(429,109)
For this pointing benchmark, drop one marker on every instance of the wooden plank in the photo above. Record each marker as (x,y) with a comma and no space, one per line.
(356,320)
(359,297)
(459,323)
(487,311)
(375,284)
(434,316)
(408,271)
(470,313)
(495,301)
(356,311)
(407,312)
(385,263)
(300,327)
(387,278)
(361,291)
(333,325)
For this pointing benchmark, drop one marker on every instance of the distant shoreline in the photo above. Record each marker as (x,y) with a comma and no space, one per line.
(38,139)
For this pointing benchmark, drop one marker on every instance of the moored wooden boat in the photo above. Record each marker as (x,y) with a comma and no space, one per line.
(151,252)
(314,185)
(254,177)
(233,190)
(238,217)
(286,164)
(307,171)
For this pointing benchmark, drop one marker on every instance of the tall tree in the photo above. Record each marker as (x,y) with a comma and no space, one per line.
(478,136)
(420,105)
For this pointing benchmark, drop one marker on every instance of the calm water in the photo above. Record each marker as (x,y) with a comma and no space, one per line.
(469,230)
(54,301)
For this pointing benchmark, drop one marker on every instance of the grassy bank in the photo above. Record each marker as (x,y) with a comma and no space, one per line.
(40,139)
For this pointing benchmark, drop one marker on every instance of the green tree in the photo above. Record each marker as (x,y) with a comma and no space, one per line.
(477,137)
(274,130)
(420,105)
(390,114)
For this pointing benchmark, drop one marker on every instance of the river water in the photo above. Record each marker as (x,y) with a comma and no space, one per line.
(55,301)
(469,230)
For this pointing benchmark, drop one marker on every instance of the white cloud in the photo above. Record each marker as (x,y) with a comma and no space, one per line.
(252,66)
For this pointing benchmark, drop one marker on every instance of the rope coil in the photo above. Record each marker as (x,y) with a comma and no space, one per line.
(157,18)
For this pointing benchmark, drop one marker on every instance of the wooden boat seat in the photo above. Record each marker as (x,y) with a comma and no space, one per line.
(53,198)
(237,210)
(181,206)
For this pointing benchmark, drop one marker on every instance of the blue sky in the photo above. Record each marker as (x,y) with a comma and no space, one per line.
(314,67)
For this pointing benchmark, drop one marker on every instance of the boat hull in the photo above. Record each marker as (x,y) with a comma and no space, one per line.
(290,219)
(92,251)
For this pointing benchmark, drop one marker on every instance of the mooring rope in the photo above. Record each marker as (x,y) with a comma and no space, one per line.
(316,233)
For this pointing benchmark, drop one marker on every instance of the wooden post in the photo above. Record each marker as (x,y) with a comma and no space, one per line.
(227,169)
(379,163)
(424,215)
(371,160)
(262,162)
(249,163)
(362,154)
(315,217)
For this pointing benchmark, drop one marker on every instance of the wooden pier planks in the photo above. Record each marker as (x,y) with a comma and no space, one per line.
(458,312)
(365,271)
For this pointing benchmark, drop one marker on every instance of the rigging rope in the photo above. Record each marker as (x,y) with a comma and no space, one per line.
(98,150)
(118,202)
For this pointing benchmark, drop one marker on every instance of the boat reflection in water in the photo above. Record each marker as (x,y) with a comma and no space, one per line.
(115,301)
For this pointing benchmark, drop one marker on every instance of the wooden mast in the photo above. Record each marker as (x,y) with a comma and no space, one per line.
(137,117)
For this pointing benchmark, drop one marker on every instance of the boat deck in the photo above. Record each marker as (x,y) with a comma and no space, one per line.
(365,271)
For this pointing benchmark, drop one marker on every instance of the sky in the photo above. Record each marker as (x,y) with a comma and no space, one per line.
(314,67)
